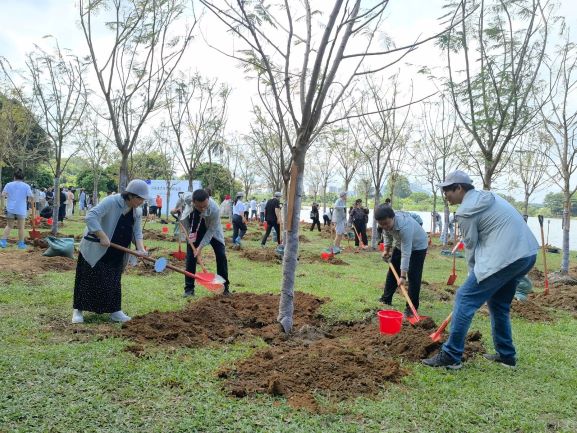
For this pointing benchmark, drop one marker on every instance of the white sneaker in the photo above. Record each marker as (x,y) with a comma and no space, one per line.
(77,316)
(119,316)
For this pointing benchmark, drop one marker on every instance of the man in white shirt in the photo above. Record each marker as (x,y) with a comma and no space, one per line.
(253,209)
(340,219)
(17,193)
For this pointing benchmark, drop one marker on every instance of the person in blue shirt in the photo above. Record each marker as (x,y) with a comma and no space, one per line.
(500,250)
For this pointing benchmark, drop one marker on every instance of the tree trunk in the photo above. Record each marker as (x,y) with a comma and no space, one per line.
(374,239)
(447,213)
(291,246)
(1,188)
(123,174)
(526,206)
(95,182)
(566,227)
(56,201)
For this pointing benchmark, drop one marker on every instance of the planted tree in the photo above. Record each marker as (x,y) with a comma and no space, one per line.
(493,60)
(148,40)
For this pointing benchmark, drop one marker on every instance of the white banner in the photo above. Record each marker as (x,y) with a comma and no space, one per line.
(159,187)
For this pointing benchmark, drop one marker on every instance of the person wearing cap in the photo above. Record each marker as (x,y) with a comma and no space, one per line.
(201,222)
(407,255)
(97,286)
(273,218)
(238,219)
(340,220)
(358,218)
(500,250)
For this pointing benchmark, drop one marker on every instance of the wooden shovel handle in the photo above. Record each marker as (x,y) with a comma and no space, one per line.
(404,292)
(198,258)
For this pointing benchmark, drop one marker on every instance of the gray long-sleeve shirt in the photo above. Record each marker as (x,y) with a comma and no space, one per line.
(211,219)
(494,232)
(105,216)
(407,235)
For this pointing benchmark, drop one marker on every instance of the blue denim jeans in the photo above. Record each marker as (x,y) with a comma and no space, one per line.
(498,291)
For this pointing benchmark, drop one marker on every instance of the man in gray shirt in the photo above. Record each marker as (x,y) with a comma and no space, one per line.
(500,250)
(408,254)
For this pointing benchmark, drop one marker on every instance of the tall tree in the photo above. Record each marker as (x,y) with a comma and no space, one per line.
(149,38)
(560,122)
(60,99)
(197,113)
(493,60)
(308,70)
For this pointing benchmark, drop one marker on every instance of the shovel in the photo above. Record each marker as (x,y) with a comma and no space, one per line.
(204,275)
(361,243)
(546,291)
(215,285)
(436,336)
(453,276)
(34,234)
(415,318)
(179,255)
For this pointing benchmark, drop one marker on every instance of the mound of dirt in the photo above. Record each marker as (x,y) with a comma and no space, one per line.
(307,257)
(154,235)
(562,297)
(31,262)
(256,236)
(303,239)
(220,319)
(263,255)
(339,361)
(531,311)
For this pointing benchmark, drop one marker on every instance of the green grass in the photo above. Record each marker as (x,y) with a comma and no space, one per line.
(52,383)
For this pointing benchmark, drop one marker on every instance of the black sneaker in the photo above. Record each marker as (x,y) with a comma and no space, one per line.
(188,293)
(384,301)
(226,292)
(441,359)
(506,362)
(407,313)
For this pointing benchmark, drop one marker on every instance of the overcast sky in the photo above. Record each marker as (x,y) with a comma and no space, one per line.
(24,23)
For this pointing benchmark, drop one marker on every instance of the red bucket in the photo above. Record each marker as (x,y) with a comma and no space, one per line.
(228,226)
(390,321)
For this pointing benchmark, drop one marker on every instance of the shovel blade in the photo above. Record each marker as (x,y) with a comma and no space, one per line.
(178,255)
(452,279)
(436,336)
(34,234)
(160,264)
(413,319)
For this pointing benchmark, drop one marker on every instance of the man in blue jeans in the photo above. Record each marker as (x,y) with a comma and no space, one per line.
(500,250)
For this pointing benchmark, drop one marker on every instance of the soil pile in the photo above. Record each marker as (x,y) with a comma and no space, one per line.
(157,236)
(339,361)
(306,257)
(531,311)
(562,297)
(263,255)
(31,262)
(220,319)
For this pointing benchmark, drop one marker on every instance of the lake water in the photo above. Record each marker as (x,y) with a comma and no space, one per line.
(551,227)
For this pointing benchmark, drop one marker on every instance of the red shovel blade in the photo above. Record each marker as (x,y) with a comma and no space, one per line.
(179,255)
(49,221)
(452,279)
(413,319)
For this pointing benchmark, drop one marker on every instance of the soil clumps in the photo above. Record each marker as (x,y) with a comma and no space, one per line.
(531,311)
(338,361)
(263,255)
(31,262)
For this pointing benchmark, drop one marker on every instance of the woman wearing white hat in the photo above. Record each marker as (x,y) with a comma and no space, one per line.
(97,286)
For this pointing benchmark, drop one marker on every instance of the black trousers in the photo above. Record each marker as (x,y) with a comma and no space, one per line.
(326,220)
(361,227)
(221,262)
(414,275)
(269,227)
(238,227)
(316,222)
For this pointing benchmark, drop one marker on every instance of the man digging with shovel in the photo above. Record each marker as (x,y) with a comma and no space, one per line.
(408,254)
(500,250)
(201,221)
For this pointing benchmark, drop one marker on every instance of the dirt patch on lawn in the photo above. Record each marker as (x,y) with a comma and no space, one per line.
(531,311)
(561,297)
(221,319)
(263,255)
(30,263)
(157,235)
(338,361)
(308,257)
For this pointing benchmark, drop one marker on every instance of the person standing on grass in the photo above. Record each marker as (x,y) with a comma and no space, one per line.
(201,221)
(253,209)
(158,201)
(358,219)
(261,210)
(82,202)
(340,220)
(238,220)
(97,286)
(327,217)
(273,218)
(500,250)
(17,194)
(69,202)
(315,217)
(407,255)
